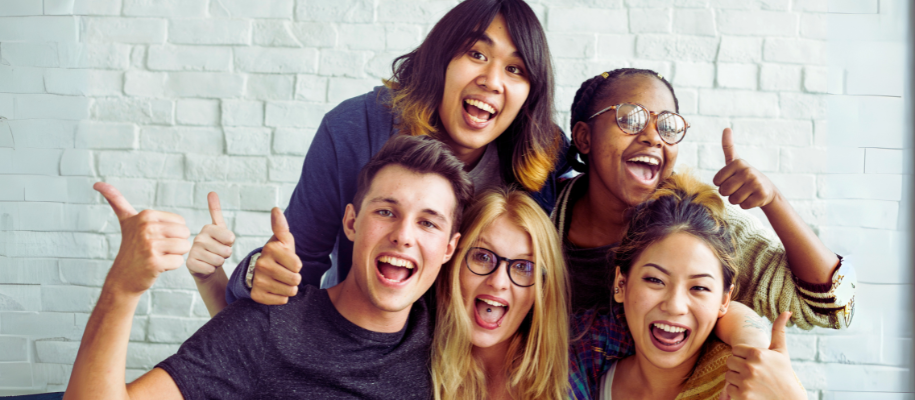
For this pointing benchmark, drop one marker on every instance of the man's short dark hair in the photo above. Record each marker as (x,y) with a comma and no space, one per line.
(421,155)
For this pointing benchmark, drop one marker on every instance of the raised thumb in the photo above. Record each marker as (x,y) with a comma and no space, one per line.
(727,144)
(779,342)
(280,227)
(119,204)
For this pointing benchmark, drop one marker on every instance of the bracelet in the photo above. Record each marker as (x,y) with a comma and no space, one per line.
(249,274)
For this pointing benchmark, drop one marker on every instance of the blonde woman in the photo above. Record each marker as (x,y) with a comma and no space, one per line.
(502,322)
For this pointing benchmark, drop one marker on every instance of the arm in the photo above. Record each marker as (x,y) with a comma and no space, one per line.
(766,373)
(742,326)
(212,246)
(152,242)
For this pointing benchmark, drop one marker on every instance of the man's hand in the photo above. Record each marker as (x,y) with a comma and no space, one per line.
(739,181)
(213,245)
(151,242)
(276,272)
(763,374)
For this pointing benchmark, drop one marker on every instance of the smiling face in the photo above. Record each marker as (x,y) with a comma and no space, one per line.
(672,299)
(628,166)
(402,235)
(497,306)
(485,88)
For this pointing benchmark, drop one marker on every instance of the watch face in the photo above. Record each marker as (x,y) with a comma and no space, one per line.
(849,311)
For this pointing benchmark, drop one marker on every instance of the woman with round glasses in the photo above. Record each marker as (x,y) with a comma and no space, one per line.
(502,320)
(625,139)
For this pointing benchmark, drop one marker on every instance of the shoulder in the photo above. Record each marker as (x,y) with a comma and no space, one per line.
(361,108)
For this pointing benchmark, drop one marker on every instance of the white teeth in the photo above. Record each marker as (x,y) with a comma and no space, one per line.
(481,105)
(644,159)
(397,262)
(671,329)
(475,119)
(492,303)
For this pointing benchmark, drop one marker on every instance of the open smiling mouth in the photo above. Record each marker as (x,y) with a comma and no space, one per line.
(643,167)
(667,337)
(395,270)
(478,111)
(489,313)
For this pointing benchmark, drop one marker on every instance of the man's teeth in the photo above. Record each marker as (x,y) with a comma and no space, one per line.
(481,105)
(397,262)
(644,159)
(492,303)
(668,328)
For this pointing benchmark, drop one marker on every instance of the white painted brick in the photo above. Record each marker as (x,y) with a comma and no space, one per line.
(79,190)
(816,79)
(172,329)
(58,7)
(315,34)
(77,162)
(84,272)
(106,135)
(845,160)
(340,89)
(361,36)
(181,139)
(294,114)
(206,168)
(379,66)
(569,72)
(69,298)
(740,49)
(89,218)
(285,169)
(94,55)
(56,351)
(587,20)
(197,112)
(20,297)
(764,159)
(869,378)
(897,352)
(867,121)
(570,45)
(795,186)
(311,88)
(96,7)
(699,22)
(228,195)
(39,29)
(21,79)
(884,161)
(802,106)
(804,160)
(51,106)
(762,23)
(18,8)
(6,136)
(809,5)
(286,192)
(29,271)
(31,54)
(84,82)
(42,133)
(275,60)
(685,48)
(175,194)
(274,33)
(854,7)
(814,26)
(778,77)
(242,113)
(252,8)
(795,51)
(849,349)
(802,347)
(123,30)
(170,302)
(258,197)
(292,141)
(46,188)
(247,169)
(338,11)
(139,192)
(763,132)
(147,355)
(248,141)
(58,244)
(199,309)
(39,325)
(12,188)
(649,20)
(737,76)
(878,249)
(189,58)
(861,186)
(688,100)
(343,63)
(180,278)
(270,87)
(205,84)
(36,216)
(615,47)
(134,164)
(410,11)
(405,38)
(875,214)
(142,111)
(165,8)
(16,375)
(14,348)
(209,31)
(738,103)
(252,223)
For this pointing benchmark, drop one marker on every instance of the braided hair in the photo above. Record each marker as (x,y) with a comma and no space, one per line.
(591,92)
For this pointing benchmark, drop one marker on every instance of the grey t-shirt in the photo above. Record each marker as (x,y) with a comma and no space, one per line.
(303,350)
(486,173)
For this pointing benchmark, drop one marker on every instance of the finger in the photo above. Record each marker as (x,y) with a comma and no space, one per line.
(269,269)
(162,216)
(119,204)
(172,246)
(212,246)
(779,341)
(732,389)
(727,144)
(757,199)
(199,267)
(731,185)
(737,364)
(281,227)
(171,261)
(215,209)
(172,230)
(741,194)
(725,173)
(269,299)
(208,257)
(277,288)
(218,234)
(724,393)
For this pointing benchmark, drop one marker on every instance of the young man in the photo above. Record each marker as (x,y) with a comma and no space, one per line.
(366,338)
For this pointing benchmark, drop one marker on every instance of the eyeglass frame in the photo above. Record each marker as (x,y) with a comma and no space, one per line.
(499,259)
(650,114)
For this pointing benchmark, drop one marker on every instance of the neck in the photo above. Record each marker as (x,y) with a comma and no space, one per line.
(642,379)
(492,359)
(598,218)
(355,306)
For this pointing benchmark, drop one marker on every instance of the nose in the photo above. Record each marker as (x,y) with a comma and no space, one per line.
(403,234)
(491,77)
(677,302)
(497,279)
(650,135)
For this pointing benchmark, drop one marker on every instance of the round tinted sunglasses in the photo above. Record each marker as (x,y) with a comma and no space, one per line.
(483,262)
(633,118)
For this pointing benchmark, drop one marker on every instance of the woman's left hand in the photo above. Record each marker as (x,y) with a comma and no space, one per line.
(763,374)
(739,181)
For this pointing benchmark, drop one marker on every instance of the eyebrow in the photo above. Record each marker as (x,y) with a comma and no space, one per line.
(392,201)
(488,40)
(524,256)
(666,272)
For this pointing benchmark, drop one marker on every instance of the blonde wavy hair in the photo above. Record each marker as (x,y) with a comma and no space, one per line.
(537,359)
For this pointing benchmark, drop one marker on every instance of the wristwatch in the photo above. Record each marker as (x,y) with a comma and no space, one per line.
(249,274)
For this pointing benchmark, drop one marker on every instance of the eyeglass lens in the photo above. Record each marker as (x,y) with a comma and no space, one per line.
(633,118)
(484,262)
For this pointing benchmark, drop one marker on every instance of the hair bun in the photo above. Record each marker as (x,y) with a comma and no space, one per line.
(685,185)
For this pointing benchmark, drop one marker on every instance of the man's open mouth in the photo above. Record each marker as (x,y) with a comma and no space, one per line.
(395,269)
(490,312)
(479,111)
(645,168)
(668,337)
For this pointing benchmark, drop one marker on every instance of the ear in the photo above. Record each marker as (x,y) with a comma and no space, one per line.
(725,302)
(619,282)
(581,136)
(452,246)
(349,222)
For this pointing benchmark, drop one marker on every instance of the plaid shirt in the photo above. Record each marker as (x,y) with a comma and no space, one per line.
(605,341)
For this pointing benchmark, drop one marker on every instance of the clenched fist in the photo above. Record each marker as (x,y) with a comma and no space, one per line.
(739,181)
(213,245)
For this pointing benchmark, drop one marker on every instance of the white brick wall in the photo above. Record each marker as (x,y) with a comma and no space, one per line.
(171,99)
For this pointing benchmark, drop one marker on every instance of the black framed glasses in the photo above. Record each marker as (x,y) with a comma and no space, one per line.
(483,262)
(633,118)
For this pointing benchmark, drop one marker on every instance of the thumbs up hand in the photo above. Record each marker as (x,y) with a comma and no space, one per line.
(276,272)
(213,245)
(152,242)
(763,374)
(739,181)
